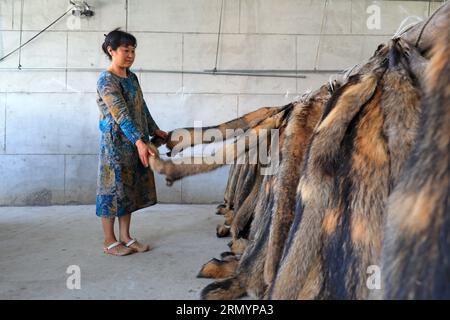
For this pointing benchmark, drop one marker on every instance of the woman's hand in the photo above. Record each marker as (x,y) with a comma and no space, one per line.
(161,134)
(144,152)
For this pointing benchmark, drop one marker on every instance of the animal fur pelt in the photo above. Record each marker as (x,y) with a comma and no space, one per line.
(275,193)
(416,248)
(364,180)
(243,187)
(357,154)
(239,243)
(233,152)
(179,139)
(425,34)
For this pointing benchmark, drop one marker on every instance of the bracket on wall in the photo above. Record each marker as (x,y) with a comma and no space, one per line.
(81,9)
(78,8)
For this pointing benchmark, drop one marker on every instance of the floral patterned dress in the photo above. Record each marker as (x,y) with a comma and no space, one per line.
(124,185)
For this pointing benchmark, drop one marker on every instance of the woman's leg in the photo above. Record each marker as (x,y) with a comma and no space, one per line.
(124,227)
(110,238)
(108,230)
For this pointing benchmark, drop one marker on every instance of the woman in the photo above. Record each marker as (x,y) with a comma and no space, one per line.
(125,181)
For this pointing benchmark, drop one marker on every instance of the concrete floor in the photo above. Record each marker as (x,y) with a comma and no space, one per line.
(37,244)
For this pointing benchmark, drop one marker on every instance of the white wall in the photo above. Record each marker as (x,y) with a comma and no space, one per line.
(48,118)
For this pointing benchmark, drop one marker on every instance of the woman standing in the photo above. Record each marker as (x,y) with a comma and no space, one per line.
(125,181)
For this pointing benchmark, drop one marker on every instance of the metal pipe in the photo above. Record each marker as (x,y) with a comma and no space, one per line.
(230,72)
(278,70)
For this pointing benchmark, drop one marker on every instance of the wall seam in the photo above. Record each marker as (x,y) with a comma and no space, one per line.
(296,64)
(64,179)
(126,15)
(182,62)
(320,35)
(67,58)
(174,93)
(351,16)
(51,154)
(4,129)
(239,17)
(212,33)
(12,17)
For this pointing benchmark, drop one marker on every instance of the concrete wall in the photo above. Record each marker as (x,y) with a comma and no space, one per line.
(48,114)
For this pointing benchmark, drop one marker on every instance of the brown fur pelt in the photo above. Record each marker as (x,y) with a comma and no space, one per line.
(239,244)
(364,180)
(177,140)
(243,188)
(425,34)
(275,189)
(227,197)
(356,156)
(233,152)
(297,137)
(416,248)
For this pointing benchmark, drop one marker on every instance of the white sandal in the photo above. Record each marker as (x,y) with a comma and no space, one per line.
(141,247)
(117,252)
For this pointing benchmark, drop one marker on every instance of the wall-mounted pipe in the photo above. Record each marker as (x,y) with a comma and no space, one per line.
(225,72)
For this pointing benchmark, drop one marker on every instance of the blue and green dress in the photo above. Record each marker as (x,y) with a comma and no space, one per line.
(124,185)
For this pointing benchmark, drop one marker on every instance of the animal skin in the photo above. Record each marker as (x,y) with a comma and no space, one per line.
(364,180)
(416,249)
(249,277)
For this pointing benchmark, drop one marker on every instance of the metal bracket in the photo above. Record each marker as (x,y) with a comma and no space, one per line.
(81,9)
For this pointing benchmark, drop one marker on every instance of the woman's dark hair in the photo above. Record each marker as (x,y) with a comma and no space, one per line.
(117,38)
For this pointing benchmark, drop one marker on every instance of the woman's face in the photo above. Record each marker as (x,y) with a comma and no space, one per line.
(123,57)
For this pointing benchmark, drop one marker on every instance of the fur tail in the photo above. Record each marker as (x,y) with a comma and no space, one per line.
(416,248)
(219,269)
(230,152)
(182,138)
(227,289)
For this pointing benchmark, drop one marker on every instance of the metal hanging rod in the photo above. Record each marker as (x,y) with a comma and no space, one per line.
(247,73)
(256,71)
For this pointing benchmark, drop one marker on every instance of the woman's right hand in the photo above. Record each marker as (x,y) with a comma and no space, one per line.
(144,152)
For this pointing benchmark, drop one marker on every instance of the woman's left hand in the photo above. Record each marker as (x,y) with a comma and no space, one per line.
(161,133)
